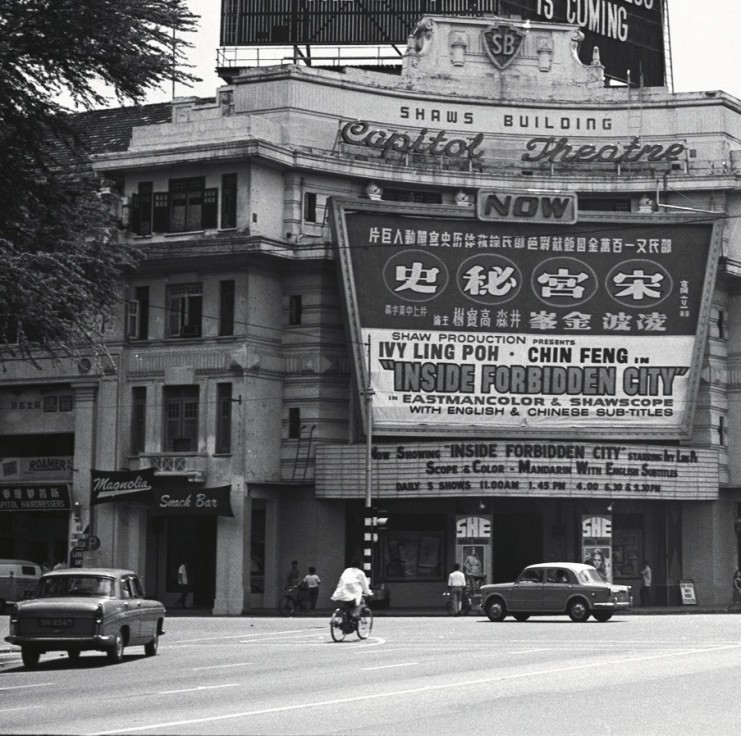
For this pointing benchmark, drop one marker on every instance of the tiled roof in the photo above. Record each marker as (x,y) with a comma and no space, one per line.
(107,131)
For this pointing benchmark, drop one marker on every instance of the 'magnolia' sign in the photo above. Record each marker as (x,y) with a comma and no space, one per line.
(462,325)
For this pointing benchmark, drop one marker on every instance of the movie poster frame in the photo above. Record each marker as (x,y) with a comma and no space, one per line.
(340,206)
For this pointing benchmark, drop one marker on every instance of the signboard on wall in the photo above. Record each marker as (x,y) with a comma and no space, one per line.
(517,468)
(461,325)
(46,497)
(596,540)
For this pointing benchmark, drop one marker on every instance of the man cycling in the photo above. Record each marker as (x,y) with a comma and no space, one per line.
(351,587)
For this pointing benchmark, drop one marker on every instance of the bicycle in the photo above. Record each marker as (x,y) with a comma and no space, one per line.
(470,597)
(465,603)
(292,600)
(342,623)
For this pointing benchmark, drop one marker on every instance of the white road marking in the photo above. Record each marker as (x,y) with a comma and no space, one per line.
(388,666)
(26,707)
(409,691)
(197,689)
(21,687)
(219,666)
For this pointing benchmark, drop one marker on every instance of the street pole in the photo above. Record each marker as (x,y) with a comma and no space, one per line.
(368,526)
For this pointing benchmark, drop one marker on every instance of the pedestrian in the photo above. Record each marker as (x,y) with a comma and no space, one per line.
(311,583)
(293,578)
(646,583)
(182,585)
(736,590)
(456,586)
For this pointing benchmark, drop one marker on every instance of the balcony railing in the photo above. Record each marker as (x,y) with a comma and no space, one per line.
(172,463)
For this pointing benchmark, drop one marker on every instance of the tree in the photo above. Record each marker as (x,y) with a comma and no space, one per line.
(62,262)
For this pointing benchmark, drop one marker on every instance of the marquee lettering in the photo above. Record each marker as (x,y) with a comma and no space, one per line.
(437,144)
(554,149)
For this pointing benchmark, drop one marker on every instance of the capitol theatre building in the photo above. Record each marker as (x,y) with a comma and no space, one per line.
(491,298)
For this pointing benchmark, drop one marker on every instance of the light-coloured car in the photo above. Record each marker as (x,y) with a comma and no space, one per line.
(79,609)
(18,580)
(549,588)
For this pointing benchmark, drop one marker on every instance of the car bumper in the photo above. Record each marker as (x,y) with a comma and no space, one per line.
(53,643)
(614,606)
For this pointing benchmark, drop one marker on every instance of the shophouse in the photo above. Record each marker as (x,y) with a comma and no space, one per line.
(522,280)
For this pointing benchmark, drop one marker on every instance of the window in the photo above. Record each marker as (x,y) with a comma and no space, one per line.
(138,419)
(413,547)
(226,308)
(228,201)
(310,207)
(405,195)
(187,206)
(137,314)
(223,417)
(181,418)
(294,424)
(184,303)
(294,309)
(604,204)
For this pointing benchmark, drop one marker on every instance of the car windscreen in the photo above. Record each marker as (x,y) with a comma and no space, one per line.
(86,586)
(590,576)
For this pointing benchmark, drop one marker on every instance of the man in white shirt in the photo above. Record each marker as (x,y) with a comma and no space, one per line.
(456,586)
(351,587)
(182,585)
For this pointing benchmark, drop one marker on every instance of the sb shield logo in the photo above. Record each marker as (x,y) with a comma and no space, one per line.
(502,44)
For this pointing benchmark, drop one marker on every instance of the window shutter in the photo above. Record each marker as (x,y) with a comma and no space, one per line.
(228,201)
(210,209)
(161,216)
(136,222)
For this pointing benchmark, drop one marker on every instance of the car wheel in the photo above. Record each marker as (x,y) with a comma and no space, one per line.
(115,653)
(30,657)
(495,609)
(73,654)
(602,616)
(578,610)
(522,616)
(150,648)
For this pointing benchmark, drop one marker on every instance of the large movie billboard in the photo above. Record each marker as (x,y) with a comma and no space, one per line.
(462,325)
(629,33)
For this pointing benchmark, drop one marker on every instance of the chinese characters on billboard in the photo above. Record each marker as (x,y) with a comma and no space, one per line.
(526,326)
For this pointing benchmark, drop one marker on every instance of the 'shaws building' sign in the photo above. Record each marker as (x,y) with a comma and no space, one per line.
(522,322)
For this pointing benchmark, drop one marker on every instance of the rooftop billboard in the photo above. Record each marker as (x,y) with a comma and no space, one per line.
(629,33)
(587,328)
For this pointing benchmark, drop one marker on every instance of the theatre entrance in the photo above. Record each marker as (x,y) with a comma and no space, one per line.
(517,541)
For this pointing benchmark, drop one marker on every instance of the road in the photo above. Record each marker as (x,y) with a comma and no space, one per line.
(415,675)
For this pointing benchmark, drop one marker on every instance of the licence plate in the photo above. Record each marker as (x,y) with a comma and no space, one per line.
(55,623)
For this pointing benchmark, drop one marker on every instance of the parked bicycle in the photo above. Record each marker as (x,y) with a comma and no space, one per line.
(343,623)
(294,599)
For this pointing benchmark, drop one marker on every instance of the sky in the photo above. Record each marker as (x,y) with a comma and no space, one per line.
(706,47)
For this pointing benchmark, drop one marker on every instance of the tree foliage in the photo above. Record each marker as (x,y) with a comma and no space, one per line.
(61,258)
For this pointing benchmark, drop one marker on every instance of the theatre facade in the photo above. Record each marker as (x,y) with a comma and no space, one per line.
(492,299)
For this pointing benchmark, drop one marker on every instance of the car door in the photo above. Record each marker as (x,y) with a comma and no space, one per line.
(133,609)
(559,582)
(146,612)
(527,592)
